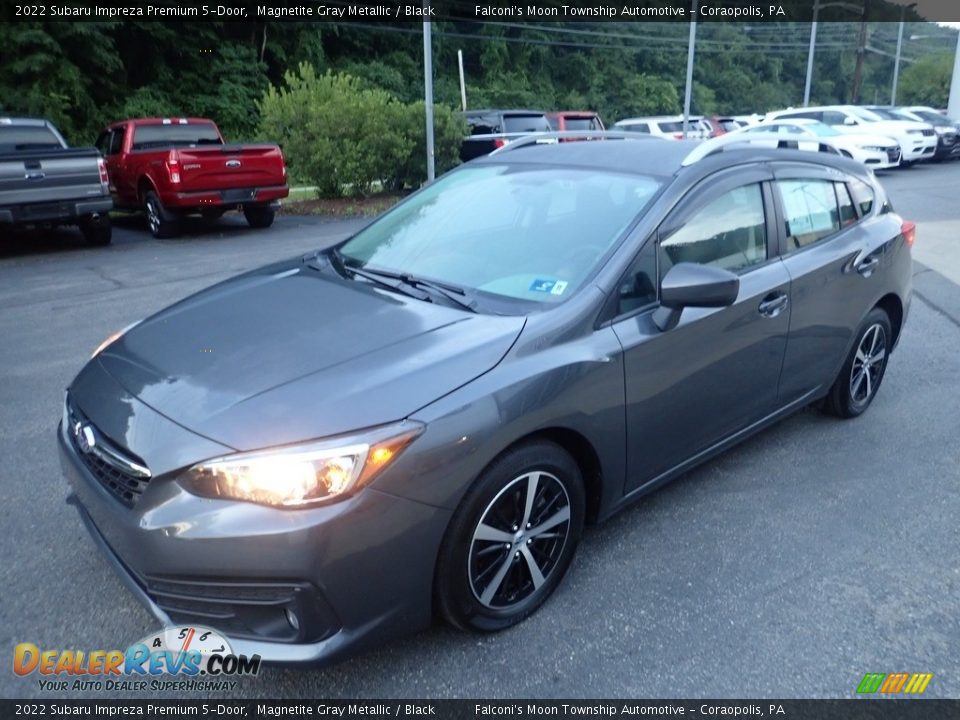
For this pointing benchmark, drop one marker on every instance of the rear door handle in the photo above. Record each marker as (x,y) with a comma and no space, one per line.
(773,304)
(866,266)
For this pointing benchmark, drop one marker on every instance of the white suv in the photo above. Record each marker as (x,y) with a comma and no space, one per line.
(665,126)
(918,140)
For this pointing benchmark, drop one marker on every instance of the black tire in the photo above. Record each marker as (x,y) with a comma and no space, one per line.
(259,216)
(97,230)
(472,559)
(859,380)
(161,222)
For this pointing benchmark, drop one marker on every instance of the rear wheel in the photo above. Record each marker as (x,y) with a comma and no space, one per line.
(512,539)
(96,229)
(259,216)
(161,222)
(862,372)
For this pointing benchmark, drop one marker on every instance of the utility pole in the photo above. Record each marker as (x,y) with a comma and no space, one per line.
(428,93)
(813,44)
(861,52)
(463,84)
(688,93)
(896,63)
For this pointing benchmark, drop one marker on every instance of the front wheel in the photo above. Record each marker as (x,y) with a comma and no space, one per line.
(512,539)
(859,380)
(258,216)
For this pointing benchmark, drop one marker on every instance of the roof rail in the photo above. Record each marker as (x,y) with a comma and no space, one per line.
(784,141)
(539,138)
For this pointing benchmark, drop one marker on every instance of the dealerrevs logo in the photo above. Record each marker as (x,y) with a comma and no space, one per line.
(184,652)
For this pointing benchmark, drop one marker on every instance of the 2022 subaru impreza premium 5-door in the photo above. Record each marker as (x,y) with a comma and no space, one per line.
(325,452)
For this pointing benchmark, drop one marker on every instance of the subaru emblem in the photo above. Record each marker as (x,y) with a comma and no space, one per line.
(86,440)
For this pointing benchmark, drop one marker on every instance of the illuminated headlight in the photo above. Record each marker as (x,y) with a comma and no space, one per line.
(112,338)
(300,475)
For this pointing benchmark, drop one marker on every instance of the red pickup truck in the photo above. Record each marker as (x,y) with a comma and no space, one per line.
(170,167)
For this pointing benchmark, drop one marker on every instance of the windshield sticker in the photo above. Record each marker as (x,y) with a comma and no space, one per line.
(541,285)
(554,287)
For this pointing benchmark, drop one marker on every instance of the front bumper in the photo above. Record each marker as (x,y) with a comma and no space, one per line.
(922,148)
(353,573)
(58,211)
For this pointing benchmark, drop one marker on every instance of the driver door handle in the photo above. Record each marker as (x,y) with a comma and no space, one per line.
(868,265)
(773,304)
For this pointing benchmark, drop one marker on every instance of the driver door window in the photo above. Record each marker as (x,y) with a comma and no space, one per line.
(729,232)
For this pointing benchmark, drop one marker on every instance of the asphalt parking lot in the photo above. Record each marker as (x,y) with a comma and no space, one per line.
(788,567)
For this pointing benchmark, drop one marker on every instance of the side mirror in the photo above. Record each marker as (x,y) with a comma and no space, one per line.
(693,285)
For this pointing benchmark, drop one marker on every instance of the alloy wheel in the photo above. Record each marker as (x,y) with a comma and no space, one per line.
(867,367)
(153,216)
(519,540)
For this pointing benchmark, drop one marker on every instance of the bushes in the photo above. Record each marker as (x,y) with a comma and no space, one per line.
(346,137)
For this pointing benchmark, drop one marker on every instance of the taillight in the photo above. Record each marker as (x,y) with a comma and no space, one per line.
(909,232)
(104,177)
(678,136)
(499,142)
(173,167)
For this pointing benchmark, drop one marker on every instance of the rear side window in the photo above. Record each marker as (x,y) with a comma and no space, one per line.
(673,127)
(116,140)
(150,137)
(863,196)
(636,127)
(810,211)
(729,232)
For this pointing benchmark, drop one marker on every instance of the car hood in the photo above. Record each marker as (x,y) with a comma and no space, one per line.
(881,127)
(292,353)
(865,139)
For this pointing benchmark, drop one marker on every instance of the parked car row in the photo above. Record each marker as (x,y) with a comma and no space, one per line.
(167,167)
(879,137)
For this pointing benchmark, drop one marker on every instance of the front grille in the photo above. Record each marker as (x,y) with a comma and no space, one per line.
(928,132)
(245,609)
(124,486)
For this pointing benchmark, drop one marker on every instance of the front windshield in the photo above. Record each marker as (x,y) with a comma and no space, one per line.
(888,114)
(865,114)
(521,232)
(822,129)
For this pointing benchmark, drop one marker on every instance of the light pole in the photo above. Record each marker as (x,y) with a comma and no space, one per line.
(953,105)
(813,42)
(428,94)
(896,63)
(688,92)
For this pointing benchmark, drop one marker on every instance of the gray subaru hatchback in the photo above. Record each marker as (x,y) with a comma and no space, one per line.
(326,452)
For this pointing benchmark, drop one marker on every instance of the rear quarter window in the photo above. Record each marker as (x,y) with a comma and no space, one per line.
(863,196)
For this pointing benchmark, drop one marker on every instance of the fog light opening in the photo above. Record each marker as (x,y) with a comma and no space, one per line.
(292,619)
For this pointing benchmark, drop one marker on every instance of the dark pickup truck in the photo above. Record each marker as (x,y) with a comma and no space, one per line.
(43,182)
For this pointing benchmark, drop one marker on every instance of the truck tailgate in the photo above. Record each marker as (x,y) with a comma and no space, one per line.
(225,167)
(48,176)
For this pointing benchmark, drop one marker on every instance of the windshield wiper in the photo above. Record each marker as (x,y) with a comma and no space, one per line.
(449,292)
(378,278)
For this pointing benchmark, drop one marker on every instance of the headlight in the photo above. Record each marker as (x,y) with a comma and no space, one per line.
(914,132)
(112,338)
(301,475)
(875,148)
